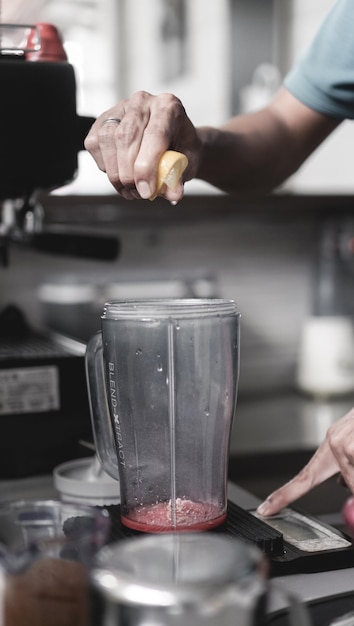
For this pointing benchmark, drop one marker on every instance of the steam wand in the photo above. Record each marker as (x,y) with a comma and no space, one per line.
(18,218)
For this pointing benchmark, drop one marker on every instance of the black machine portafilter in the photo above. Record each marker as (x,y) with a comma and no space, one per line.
(41,135)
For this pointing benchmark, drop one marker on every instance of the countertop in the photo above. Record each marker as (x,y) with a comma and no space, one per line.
(307,587)
(281,422)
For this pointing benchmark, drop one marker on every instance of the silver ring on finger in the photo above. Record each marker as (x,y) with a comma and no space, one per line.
(116,120)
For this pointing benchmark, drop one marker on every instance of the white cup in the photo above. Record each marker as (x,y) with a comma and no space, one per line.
(326,356)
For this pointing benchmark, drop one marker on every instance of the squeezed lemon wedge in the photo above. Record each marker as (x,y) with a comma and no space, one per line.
(169,171)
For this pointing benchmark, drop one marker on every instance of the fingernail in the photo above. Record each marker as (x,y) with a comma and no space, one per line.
(263,508)
(173,202)
(144,189)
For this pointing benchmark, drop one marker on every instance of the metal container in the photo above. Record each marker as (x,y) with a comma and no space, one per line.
(181,579)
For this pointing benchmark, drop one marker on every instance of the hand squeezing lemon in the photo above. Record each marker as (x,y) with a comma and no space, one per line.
(169,171)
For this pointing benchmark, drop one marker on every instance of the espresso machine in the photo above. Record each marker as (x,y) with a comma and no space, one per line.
(41,136)
(44,408)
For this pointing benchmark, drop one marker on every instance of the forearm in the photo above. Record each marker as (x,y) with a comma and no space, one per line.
(238,161)
(259,151)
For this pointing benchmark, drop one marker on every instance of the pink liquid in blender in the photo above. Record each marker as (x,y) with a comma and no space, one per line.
(185,516)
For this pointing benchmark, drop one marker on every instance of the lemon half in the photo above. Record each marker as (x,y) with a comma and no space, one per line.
(169,171)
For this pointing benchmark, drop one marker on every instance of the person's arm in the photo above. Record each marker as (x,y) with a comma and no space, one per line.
(335,454)
(260,150)
(254,152)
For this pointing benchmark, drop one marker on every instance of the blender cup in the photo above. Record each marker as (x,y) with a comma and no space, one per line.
(162,379)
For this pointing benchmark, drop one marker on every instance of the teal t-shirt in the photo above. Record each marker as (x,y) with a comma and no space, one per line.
(323,79)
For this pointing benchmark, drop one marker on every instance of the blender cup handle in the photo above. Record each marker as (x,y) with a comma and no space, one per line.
(100,417)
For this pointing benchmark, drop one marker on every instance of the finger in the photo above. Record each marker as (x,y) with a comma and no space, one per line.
(321,466)
(101,142)
(129,136)
(341,481)
(167,115)
(92,143)
(341,441)
(108,134)
(129,194)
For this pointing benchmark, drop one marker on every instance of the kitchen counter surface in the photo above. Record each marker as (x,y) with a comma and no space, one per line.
(307,587)
(284,422)
(34,488)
